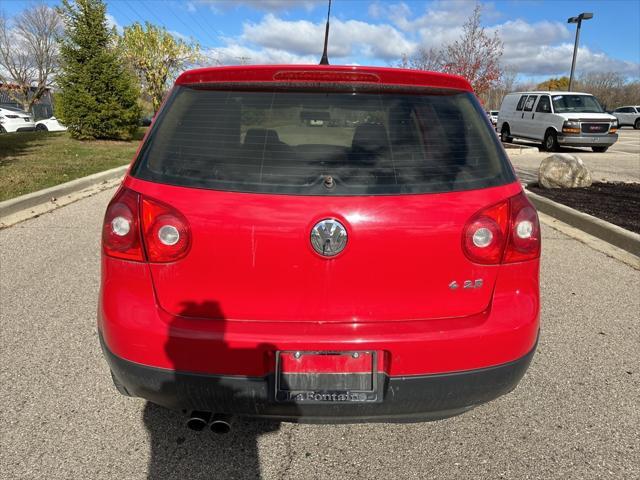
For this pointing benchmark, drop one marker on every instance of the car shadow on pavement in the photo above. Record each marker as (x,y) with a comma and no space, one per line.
(180,453)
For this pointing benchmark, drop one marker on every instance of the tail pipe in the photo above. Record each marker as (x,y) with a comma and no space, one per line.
(221,424)
(197,421)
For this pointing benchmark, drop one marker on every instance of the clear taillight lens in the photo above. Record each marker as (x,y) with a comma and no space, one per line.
(120,229)
(484,235)
(167,236)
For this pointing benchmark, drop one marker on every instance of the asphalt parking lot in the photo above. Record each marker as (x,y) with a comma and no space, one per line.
(575,415)
(628,141)
(621,163)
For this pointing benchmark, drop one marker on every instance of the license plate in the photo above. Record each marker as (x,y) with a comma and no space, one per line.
(327,377)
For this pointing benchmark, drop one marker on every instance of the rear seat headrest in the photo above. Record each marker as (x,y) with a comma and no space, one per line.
(371,138)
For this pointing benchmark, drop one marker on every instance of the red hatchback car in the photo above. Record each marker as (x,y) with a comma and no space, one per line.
(321,244)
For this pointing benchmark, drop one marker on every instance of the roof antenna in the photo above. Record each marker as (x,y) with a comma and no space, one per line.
(325,60)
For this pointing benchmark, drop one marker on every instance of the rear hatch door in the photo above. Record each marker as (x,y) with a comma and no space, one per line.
(254,171)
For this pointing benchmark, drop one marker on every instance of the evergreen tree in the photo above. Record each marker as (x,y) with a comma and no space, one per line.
(98,94)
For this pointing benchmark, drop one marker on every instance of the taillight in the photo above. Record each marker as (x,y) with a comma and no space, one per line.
(524,235)
(166,232)
(506,232)
(484,235)
(121,230)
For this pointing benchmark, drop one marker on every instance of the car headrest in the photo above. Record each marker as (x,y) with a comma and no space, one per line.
(370,138)
(401,129)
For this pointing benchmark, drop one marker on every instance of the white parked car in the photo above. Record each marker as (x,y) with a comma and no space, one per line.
(557,118)
(50,124)
(493,117)
(629,115)
(14,120)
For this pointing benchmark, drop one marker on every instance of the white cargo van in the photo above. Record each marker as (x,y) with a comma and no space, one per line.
(556,119)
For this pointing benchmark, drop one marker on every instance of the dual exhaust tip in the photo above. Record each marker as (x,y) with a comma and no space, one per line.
(218,423)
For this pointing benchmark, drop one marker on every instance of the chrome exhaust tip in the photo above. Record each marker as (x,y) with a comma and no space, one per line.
(221,424)
(197,421)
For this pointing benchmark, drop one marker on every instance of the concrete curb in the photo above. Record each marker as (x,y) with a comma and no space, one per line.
(601,229)
(517,149)
(30,200)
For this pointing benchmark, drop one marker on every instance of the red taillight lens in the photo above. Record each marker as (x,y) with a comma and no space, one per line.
(121,230)
(506,232)
(524,231)
(167,235)
(484,235)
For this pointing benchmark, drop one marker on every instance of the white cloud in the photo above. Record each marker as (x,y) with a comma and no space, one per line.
(112,22)
(350,38)
(181,36)
(540,48)
(236,54)
(519,31)
(555,60)
(439,13)
(394,29)
(546,48)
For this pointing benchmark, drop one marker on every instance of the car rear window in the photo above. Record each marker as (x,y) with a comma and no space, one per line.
(322,143)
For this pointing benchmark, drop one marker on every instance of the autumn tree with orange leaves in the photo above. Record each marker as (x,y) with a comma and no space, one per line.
(475,55)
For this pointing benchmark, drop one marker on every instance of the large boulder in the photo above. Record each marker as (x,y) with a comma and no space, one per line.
(562,170)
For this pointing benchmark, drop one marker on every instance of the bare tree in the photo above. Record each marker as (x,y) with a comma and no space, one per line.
(509,75)
(425,59)
(492,98)
(29,53)
(608,87)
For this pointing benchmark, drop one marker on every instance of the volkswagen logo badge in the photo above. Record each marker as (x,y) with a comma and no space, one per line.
(328,237)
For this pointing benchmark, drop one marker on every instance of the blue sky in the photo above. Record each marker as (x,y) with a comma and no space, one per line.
(537,40)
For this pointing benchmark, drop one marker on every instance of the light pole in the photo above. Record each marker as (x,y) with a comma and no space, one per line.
(578,20)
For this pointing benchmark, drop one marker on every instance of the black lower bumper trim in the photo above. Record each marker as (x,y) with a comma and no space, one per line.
(405,399)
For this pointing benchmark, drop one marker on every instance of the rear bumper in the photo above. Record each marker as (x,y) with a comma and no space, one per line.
(18,127)
(404,398)
(135,328)
(587,140)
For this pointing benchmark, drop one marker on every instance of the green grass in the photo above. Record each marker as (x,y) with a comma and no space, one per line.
(31,161)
